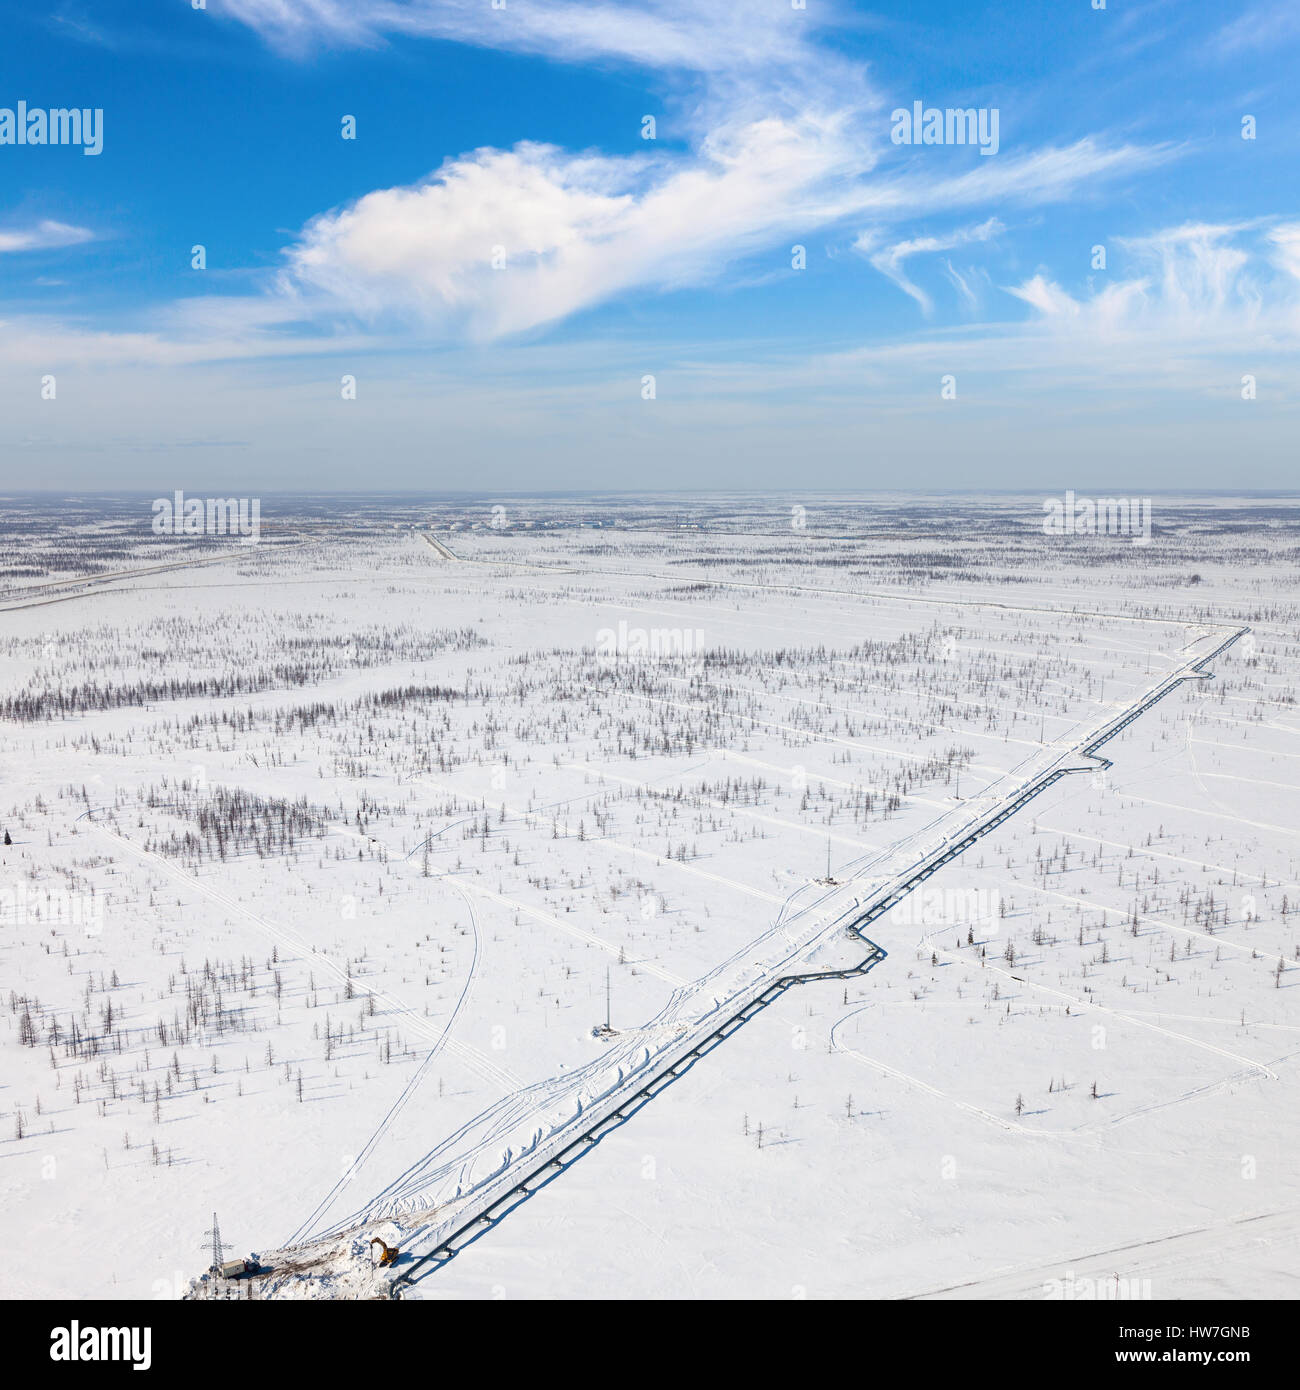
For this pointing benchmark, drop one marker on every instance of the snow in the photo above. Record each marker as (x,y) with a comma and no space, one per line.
(447,809)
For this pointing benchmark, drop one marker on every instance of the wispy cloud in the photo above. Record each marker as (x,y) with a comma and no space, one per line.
(1200,308)
(1262,27)
(43,236)
(890,260)
(667,34)
(968,286)
(1201,284)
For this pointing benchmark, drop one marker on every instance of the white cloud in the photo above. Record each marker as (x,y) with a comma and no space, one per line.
(579,229)
(1045,175)
(890,260)
(786,135)
(665,34)
(1047,297)
(568,231)
(786,138)
(1202,275)
(1203,294)
(1287,256)
(1135,371)
(44,236)
(186,333)
(966,291)
(777,128)
(1262,27)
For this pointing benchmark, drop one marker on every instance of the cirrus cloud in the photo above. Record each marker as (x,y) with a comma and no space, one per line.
(43,236)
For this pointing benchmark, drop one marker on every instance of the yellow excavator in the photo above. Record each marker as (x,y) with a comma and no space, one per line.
(388,1254)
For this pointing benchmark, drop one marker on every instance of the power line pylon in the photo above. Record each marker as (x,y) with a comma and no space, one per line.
(218,1245)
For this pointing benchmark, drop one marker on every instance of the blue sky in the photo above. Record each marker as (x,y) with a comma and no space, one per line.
(500,259)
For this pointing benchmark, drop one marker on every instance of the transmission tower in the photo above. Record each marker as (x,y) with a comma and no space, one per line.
(218,1245)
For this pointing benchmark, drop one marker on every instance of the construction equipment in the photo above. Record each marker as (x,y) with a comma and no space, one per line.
(388,1253)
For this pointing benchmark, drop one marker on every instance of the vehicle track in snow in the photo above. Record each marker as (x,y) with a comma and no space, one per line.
(479,1199)
(1177,1254)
